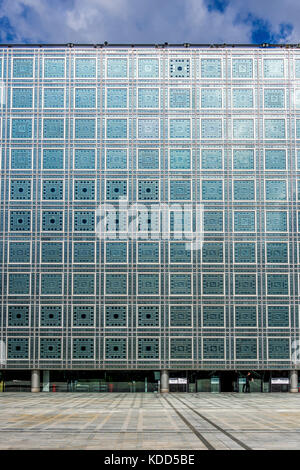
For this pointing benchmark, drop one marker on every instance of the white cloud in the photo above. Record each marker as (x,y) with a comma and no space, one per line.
(142,21)
(93,13)
(216,27)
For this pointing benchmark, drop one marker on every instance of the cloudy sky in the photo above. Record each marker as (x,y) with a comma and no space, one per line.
(149,21)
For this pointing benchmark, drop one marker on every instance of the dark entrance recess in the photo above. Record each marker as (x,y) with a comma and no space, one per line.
(228,381)
(133,381)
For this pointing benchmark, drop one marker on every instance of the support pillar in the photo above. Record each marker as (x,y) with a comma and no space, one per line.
(46,381)
(293,381)
(164,381)
(35,380)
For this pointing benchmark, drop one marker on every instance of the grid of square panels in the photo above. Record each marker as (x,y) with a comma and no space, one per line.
(206,137)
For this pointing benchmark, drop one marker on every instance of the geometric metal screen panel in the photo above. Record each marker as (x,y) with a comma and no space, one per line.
(108,157)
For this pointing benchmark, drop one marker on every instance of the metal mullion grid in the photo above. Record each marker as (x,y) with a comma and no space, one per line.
(228,209)
(67,300)
(231,330)
(259,174)
(295,115)
(100,307)
(8,205)
(164,146)
(4,182)
(168,333)
(260,212)
(288,207)
(125,114)
(193,142)
(35,241)
(195,257)
(104,82)
(292,179)
(132,330)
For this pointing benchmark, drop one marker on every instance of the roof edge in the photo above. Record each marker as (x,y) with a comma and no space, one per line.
(159,46)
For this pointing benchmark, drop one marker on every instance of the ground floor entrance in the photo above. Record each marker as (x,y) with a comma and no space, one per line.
(132,381)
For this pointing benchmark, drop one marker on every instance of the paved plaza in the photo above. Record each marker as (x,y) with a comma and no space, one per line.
(149,421)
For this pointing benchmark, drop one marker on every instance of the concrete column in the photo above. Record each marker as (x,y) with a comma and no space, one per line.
(46,381)
(164,381)
(35,380)
(293,381)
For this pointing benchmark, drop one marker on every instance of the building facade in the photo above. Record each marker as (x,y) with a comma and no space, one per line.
(150,207)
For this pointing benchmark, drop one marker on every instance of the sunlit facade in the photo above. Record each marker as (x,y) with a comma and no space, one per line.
(89,134)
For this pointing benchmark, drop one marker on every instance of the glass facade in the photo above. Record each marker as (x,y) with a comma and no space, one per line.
(101,147)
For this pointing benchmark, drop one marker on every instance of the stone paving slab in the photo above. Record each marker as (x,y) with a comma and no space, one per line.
(149,421)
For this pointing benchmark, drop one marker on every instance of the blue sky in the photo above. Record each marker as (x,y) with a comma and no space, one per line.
(149,21)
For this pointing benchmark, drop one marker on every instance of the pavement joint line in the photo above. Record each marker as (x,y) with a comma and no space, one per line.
(240,443)
(192,428)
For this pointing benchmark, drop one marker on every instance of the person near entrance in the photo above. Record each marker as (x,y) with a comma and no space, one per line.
(246,386)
